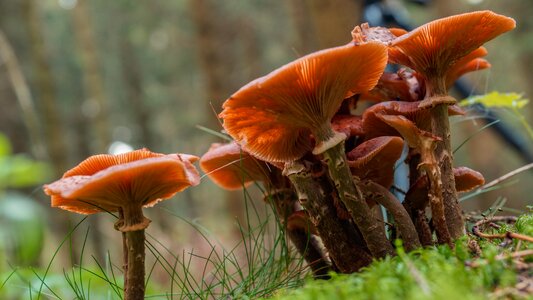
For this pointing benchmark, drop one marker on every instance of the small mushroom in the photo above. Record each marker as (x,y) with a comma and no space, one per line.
(374,126)
(350,125)
(401,86)
(232,168)
(125,183)
(466,180)
(374,160)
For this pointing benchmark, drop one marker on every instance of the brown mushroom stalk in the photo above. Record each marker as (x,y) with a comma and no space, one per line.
(347,256)
(402,220)
(425,143)
(353,199)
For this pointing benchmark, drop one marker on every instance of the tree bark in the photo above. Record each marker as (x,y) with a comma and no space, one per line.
(23,94)
(92,76)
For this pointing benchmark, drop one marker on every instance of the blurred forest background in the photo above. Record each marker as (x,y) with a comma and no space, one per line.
(81,77)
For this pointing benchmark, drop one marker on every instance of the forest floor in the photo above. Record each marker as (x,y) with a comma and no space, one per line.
(495,261)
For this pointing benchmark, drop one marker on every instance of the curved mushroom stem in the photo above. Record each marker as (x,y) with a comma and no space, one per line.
(352,198)
(405,225)
(345,254)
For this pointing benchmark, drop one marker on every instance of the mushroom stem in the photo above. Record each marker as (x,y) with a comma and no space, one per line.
(307,245)
(422,227)
(401,218)
(352,198)
(344,252)
(134,280)
(440,126)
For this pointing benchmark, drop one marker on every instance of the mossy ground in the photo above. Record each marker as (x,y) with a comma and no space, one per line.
(466,272)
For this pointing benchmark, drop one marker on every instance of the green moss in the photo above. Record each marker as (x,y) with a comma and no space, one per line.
(431,273)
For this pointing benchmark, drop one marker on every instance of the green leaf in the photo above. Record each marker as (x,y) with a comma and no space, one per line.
(5,146)
(497,99)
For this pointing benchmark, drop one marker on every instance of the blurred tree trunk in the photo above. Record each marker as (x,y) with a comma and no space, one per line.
(23,94)
(92,76)
(49,109)
(95,93)
(213,35)
(306,38)
(334,20)
(50,112)
(131,72)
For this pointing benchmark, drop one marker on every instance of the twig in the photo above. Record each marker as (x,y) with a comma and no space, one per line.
(506,176)
(516,254)
(510,235)
(506,219)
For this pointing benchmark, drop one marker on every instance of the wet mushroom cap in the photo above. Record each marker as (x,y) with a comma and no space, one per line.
(469,63)
(374,126)
(348,124)
(274,117)
(110,182)
(434,47)
(391,87)
(375,159)
(232,168)
(467,179)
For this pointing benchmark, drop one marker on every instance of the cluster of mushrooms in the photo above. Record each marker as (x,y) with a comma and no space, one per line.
(325,168)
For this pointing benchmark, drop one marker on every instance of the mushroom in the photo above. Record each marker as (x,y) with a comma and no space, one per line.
(401,86)
(349,125)
(374,159)
(432,50)
(374,126)
(273,118)
(466,180)
(125,183)
(373,162)
(232,168)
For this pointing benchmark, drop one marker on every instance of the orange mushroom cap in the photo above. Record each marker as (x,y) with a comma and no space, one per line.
(375,159)
(432,49)
(350,125)
(232,168)
(401,86)
(373,124)
(466,180)
(110,182)
(274,116)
